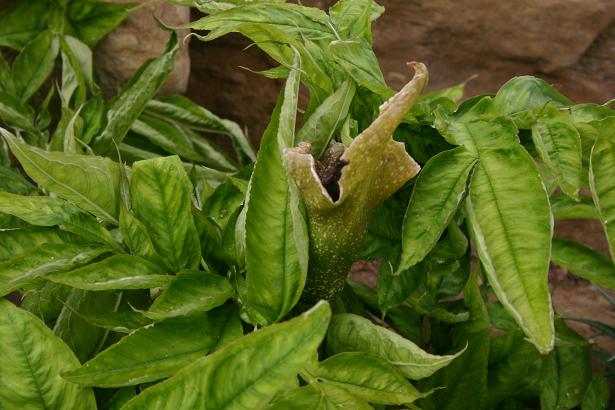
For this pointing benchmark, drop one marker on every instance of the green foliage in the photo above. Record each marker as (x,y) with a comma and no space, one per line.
(183,276)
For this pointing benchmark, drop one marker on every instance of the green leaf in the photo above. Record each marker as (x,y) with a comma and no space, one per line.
(584,262)
(464,381)
(352,18)
(182,111)
(602,179)
(34,64)
(525,93)
(367,377)
(438,192)
(92,183)
(596,396)
(191,292)
(321,126)
(46,302)
(27,268)
(276,239)
(568,371)
(244,374)
(115,272)
(90,21)
(318,396)
(161,200)
(394,289)
(153,352)
(563,207)
(46,211)
(83,338)
(16,114)
(129,104)
(352,333)
(23,21)
(18,241)
(559,145)
(30,365)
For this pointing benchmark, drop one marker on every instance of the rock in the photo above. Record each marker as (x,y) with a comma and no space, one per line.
(139,38)
(569,43)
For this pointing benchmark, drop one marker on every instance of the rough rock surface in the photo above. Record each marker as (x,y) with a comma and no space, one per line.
(570,43)
(137,39)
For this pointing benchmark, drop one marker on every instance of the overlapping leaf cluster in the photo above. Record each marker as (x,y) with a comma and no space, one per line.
(192,280)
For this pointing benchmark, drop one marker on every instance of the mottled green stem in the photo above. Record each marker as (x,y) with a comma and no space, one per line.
(376,168)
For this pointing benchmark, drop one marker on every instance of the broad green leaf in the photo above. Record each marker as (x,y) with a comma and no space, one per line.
(352,333)
(115,272)
(584,262)
(515,369)
(352,18)
(46,302)
(214,6)
(30,365)
(246,373)
(602,179)
(373,168)
(587,113)
(394,289)
(161,200)
(27,268)
(358,59)
(47,211)
(16,114)
(119,398)
(525,93)
(318,396)
(596,396)
(85,339)
(136,237)
(126,321)
(464,381)
(563,207)
(568,371)
(18,241)
(276,239)
(23,21)
(34,64)
(368,377)
(511,225)
(181,110)
(321,126)
(559,145)
(223,202)
(90,21)
(90,182)
(438,192)
(153,352)
(191,292)
(131,101)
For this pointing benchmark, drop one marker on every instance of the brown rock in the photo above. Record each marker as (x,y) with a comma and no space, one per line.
(139,38)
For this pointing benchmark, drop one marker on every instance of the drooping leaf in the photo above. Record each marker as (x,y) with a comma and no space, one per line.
(191,292)
(90,182)
(30,365)
(596,396)
(34,64)
(438,192)
(352,333)
(602,179)
(161,200)
(90,21)
(129,104)
(231,378)
(27,268)
(275,228)
(525,93)
(153,352)
(559,145)
(16,114)
(115,272)
(368,377)
(23,21)
(47,211)
(584,262)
